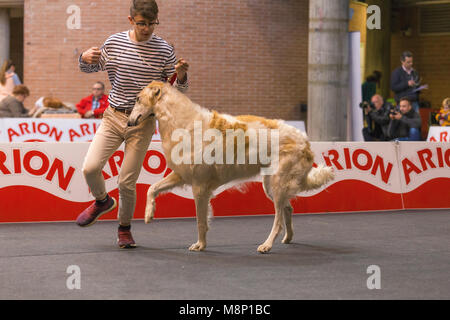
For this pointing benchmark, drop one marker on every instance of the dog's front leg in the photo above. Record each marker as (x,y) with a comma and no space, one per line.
(169,182)
(201,205)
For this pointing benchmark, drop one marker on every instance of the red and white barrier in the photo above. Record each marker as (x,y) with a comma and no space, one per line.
(44,182)
(50,130)
(438,134)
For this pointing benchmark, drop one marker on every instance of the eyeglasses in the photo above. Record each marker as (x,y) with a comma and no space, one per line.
(142,24)
(97,88)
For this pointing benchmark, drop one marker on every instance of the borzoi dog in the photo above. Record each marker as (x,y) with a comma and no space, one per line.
(292,173)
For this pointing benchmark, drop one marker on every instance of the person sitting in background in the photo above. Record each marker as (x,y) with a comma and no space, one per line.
(12,106)
(443,117)
(405,123)
(8,79)
(94,105)
(49,105)
(376,115)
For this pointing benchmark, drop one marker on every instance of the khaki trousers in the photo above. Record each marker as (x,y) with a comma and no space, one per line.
(108,138)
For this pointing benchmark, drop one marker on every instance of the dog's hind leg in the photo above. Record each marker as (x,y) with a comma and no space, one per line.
(287,213)
(266,187)
(169,182)
(201,197)
(280,203)
(276,229)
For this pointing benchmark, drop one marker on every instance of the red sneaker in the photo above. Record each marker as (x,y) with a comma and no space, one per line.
(90,215)
(125,239)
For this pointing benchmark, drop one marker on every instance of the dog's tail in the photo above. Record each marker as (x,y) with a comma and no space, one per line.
(317,177)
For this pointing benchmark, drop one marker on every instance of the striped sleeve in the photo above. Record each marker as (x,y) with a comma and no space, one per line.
(169,70)
(90,68)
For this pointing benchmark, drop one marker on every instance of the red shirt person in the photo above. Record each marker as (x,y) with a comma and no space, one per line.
(94,105)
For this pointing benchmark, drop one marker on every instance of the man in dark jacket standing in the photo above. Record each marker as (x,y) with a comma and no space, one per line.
(405,125)
(405,80)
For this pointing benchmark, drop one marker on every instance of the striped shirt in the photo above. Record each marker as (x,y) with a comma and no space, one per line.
(131,66)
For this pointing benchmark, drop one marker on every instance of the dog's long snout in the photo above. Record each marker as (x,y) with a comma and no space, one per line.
(134,123)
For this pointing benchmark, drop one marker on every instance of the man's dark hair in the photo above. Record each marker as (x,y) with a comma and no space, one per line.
(101,83)
(406,54)
(377,74)
(21,90)
(406,99)
(148,9)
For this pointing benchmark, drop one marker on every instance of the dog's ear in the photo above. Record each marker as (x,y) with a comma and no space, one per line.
(157,93)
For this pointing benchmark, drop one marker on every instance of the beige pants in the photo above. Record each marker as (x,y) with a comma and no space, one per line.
(108,138)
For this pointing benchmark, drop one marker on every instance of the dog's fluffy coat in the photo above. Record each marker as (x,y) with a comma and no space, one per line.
(294,174)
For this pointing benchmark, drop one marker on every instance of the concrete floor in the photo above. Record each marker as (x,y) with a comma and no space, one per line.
(328,259)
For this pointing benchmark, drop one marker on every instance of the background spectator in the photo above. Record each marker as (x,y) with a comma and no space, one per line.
(8,79)
(94,105)
(12,106)
(405,123)
(369,87)
(443,117)
(405,80)
(376,115)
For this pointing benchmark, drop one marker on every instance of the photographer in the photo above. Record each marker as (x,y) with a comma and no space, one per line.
(376,115)
(405,123)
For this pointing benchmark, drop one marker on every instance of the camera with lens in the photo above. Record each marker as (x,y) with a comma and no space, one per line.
(366,105)
(394,110)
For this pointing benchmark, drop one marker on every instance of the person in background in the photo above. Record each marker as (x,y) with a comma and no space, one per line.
(405,80)
(94,105)
(8,79)
(12,106)
(369,87)
(405,123)
(376,115)
(443,117)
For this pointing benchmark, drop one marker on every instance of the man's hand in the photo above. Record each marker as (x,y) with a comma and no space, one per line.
(411,83)
(91,56)
(181,68)
(395,116)
(89,114)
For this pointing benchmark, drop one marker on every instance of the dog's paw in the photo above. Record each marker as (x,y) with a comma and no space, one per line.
(148,219)
(149,213)
(264,248)
(198,246)
(287,239)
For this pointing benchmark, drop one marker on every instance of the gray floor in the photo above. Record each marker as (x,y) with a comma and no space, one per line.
(328,259)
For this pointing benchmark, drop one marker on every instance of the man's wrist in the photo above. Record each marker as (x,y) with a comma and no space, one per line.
(182,80)
(80,59)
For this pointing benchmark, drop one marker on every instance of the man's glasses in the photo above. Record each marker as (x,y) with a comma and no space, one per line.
(142,24)
(97,88)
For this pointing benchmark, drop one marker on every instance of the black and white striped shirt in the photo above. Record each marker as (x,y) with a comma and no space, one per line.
(131,66)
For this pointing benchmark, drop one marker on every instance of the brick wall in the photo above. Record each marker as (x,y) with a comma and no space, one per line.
(246,56)
(431,56)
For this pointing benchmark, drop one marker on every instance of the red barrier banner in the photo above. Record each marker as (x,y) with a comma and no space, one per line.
(50,130)
(44,182)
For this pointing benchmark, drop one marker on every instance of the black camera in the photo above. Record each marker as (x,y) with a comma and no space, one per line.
(394,110)
(364,105)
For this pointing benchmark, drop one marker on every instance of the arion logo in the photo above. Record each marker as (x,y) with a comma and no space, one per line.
(36,163)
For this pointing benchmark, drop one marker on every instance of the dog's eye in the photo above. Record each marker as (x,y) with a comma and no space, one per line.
(137,99)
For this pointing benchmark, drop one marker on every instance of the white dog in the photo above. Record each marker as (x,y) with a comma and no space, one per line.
(291,156)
